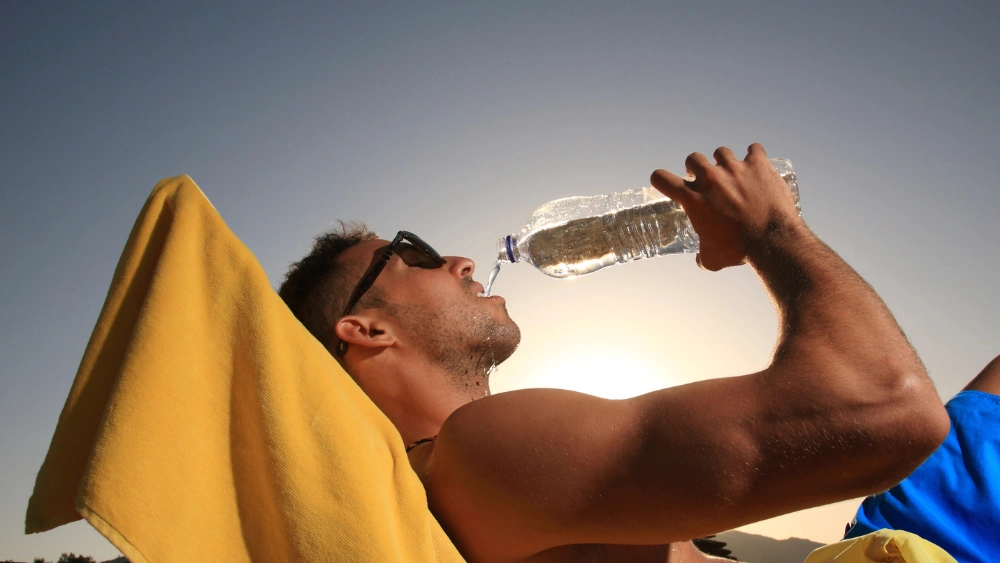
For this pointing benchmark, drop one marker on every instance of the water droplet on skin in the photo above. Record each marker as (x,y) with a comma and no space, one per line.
(489,370)
(493,359)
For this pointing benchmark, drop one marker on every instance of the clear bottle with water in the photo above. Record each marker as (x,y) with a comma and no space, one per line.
(574,236)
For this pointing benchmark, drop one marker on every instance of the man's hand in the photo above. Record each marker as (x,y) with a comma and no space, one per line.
(734,205)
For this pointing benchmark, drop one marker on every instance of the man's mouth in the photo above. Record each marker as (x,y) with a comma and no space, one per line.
(481,291)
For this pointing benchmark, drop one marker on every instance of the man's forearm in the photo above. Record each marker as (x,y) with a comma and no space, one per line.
(841,354)
(822,302)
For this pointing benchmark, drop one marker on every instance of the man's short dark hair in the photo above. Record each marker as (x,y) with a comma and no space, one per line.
(317,287)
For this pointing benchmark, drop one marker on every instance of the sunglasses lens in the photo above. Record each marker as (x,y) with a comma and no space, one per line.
(417,257)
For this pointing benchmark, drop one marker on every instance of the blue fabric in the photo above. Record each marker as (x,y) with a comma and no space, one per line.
(953,498)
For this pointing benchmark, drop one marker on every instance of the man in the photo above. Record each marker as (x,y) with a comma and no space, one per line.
(953,498)
(844,409)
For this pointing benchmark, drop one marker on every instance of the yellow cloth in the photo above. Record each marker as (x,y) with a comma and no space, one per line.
(206,424)
(881,546)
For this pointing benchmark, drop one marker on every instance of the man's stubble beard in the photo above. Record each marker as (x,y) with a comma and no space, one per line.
(466,340)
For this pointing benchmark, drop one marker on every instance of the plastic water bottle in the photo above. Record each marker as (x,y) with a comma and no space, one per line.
(574,236)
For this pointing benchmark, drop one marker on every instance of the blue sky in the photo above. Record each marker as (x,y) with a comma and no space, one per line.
(456,121)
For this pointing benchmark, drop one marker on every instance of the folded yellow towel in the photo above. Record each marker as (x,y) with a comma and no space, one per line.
(881,546)
(206,424)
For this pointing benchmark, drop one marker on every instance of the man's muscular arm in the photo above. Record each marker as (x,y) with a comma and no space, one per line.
(844,409)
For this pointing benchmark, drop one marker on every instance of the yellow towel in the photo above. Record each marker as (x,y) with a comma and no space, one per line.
(881,546)
(206,424)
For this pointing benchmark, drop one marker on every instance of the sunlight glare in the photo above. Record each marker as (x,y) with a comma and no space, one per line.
(611,374)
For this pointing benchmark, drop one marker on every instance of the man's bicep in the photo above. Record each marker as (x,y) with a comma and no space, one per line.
(557,467)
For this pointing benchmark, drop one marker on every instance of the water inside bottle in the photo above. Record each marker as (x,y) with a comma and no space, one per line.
(584,245)
(492,278)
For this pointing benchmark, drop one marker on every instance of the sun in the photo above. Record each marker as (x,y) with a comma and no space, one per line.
(608,373)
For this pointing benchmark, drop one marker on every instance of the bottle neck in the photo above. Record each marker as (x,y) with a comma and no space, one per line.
(507,250)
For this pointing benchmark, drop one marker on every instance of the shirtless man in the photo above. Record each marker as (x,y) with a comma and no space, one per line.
(844,409)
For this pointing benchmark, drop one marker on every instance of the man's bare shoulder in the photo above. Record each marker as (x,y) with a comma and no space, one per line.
(527,473)
(507,471)
(516,550)
(516,423)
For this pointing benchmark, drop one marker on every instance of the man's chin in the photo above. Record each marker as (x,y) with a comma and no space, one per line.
(496,302)
(504,341)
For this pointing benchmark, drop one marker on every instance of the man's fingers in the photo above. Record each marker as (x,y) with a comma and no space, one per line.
(697,163)
(671,186)
(724,156)
(756,150)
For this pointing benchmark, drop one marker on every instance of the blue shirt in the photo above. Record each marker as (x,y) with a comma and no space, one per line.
(953,498)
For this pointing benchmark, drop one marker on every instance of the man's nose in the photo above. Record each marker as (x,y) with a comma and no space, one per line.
(460,267)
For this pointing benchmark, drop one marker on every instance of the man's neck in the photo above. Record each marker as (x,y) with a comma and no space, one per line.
(416,395)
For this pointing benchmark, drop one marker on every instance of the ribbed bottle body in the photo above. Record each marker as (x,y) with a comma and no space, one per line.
(578,235)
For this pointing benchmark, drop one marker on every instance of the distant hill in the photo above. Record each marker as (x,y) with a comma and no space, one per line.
(762,549)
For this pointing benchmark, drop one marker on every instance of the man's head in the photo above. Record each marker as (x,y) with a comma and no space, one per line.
(424,307)
(317,287)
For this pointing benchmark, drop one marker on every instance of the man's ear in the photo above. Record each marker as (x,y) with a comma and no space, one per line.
(365,331)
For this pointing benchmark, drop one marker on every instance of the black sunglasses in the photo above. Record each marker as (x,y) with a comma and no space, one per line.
(412,250)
